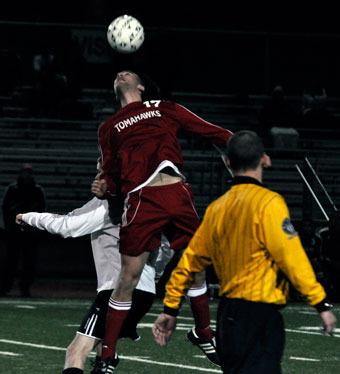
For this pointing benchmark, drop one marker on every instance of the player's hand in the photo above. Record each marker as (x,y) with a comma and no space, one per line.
(18,219)
(328,322)
(99,188)
(163,328)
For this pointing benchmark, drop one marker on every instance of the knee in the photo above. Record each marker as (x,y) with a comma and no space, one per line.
(128,282)
(130,273)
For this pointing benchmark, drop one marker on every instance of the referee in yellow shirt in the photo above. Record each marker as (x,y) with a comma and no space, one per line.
(248,237)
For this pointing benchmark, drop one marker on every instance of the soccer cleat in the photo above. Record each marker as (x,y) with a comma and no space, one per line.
(133,335)
(107,366)
(207,346)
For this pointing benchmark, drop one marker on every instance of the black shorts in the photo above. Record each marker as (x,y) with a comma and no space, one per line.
(250,337)
(93,324)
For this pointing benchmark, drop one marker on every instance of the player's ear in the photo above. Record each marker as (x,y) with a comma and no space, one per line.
(266,162)
(141,88)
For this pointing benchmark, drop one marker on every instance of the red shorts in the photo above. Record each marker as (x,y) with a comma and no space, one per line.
(153,211)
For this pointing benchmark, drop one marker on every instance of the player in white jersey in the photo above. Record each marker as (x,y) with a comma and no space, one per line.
(93,218)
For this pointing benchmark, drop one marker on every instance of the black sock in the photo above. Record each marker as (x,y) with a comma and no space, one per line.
(141,304)
(73,371)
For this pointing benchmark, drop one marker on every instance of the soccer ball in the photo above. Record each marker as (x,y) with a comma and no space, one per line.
(125,34)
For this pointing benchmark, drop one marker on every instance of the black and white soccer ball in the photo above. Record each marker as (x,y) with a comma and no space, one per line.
(125,34)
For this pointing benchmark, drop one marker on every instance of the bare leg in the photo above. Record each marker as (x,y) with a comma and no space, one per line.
(130,273)
(120,301)
(99,348)
(78,350)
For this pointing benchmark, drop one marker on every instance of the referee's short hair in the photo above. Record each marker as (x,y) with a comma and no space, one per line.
(244,150)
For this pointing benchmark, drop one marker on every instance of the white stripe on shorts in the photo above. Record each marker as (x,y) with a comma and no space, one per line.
(91,324)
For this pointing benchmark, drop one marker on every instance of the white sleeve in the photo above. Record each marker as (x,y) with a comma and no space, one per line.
(85,220)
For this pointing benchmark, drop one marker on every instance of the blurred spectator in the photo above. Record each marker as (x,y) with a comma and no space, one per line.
(277,112)
(50,84)
(21,242)
(314,112)
(314,98)
(73,64)
(57,83)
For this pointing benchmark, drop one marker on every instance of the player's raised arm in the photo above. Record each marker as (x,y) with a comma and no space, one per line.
(90,218)
(195,124)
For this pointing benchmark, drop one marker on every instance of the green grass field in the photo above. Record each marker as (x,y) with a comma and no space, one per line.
(35,332)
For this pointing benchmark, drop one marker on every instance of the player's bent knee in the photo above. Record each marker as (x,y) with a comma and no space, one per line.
(126,285)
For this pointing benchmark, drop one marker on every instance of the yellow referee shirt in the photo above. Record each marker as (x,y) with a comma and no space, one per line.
(248,237)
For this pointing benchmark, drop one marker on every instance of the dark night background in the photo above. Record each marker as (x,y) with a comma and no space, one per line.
(232,51)
(213,47)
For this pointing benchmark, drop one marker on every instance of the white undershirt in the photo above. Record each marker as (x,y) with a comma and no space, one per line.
(93,218)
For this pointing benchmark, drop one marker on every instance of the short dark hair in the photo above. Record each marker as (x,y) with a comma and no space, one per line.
(244,150)
(152,90)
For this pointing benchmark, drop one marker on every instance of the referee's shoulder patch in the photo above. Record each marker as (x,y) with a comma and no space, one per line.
(288,228)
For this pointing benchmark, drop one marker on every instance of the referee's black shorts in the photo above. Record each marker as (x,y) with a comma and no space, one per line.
(250,337)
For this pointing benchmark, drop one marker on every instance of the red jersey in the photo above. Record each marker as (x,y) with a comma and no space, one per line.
(140,136)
